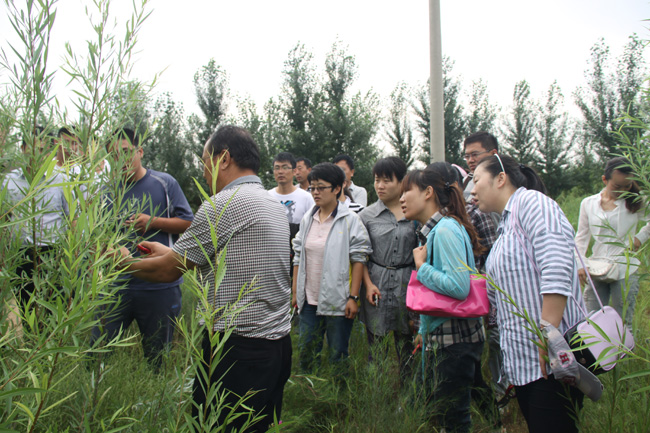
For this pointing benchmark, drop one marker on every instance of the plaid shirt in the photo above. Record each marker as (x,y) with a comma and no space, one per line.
(452,331)
(486,230)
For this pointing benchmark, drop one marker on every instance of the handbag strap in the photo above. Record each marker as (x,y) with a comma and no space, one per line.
(518,229)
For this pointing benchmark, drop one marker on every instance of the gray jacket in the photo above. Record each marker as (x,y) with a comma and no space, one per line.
(348,242)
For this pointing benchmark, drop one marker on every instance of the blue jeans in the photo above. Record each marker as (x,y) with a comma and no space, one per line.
(449,376)
(313,328)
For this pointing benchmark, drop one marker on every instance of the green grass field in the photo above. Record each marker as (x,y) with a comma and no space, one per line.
(370,400)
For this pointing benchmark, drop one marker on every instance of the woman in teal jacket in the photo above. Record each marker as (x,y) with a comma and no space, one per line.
(452,346)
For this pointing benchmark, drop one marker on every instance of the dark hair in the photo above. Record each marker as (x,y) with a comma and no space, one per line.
(518,174)
(240,145)
(65,130)
(285,157)
(487,140)
(633,201)
(441,177)
(125,134)
(305,160)
(329,173)
(389,167)
(346,158)
(38,131)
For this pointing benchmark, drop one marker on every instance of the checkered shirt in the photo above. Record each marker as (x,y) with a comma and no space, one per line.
(252,231)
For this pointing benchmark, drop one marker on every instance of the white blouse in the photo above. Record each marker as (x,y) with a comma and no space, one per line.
(613,231)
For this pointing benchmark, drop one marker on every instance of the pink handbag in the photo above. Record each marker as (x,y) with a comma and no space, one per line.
(421,299)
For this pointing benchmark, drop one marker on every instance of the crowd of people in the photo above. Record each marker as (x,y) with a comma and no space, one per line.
(315,247)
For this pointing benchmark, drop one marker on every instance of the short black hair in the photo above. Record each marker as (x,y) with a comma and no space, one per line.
(240,145)
(389,167)
(342,157)
(38,132)
(487,140)
(307,161)
(285,157)
(328,172)
(125,134)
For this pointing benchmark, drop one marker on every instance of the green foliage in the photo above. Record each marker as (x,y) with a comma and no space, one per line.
(170,148)
(609,95)
(520,140)
(320,118)
(455,122)
(399,133)
(554,143)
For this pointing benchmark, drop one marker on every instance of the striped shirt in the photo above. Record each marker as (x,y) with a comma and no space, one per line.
(547,235)
(251,229)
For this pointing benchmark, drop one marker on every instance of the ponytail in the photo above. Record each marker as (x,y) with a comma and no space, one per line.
(442,177)
(518,174)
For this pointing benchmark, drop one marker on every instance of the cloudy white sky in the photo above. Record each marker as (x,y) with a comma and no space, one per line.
(500,41)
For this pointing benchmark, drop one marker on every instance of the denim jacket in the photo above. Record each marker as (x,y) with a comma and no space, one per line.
(348,242)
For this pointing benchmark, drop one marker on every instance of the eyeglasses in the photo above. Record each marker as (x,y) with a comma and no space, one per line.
(282,167)
(473,155)
(319,188)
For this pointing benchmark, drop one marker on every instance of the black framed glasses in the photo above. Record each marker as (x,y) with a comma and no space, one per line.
(319,188)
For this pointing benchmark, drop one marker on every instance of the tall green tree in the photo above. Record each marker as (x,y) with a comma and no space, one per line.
(610,94)
(482,114)
(555,142)
(350,121)
(399,132)
(169,148)
(211,90)
(455,121)
(520,139)
(321,117)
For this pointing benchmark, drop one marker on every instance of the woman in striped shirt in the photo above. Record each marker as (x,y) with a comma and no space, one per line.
(532,228)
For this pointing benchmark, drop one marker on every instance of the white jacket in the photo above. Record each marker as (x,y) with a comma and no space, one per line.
(348,242)
(613,231)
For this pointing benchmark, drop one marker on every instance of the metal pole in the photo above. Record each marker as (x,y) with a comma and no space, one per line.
(437,123)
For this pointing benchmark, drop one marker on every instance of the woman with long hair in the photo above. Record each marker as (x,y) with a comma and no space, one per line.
(452,346)
(534,234)
(611,218)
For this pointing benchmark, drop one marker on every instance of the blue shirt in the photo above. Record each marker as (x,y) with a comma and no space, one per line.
(450,250)
(156,194)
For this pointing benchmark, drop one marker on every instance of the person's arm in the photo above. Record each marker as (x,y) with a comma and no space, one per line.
(371,289)
(144,222)
(294,293)
(644,234)
(453,277)
(351,307)
(162,266)
(553,306)
(583,236)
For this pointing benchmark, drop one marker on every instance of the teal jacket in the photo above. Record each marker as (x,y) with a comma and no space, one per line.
(450,247)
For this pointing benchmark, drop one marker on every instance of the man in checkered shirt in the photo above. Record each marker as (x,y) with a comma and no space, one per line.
(254,228)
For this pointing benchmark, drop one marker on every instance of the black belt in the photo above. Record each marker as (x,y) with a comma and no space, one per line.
(405,265)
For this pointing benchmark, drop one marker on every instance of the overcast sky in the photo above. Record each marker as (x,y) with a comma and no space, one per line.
(501,42)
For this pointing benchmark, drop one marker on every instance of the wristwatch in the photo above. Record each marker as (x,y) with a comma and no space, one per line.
(354,298)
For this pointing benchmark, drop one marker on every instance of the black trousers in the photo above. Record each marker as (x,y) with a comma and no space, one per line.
(248,364)
(550,406)
(154,311)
